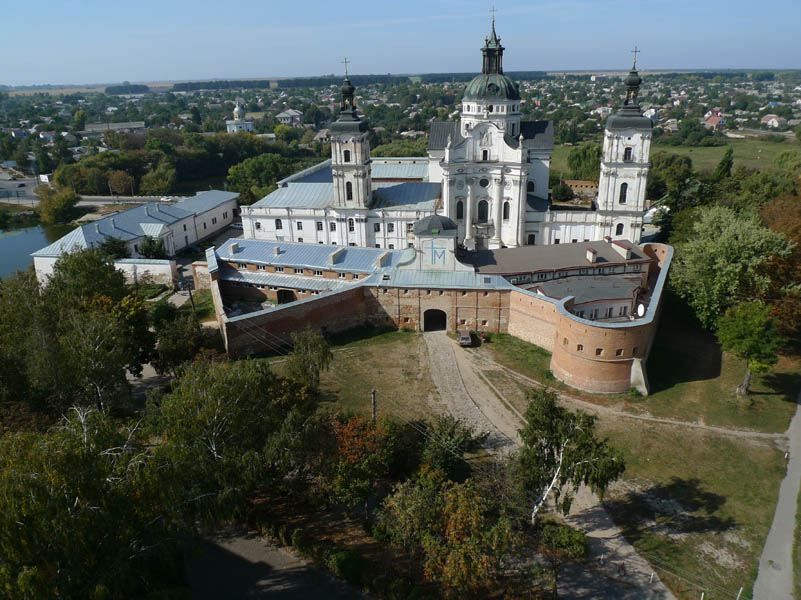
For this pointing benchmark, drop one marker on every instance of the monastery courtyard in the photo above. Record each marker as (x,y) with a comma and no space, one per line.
(690,504)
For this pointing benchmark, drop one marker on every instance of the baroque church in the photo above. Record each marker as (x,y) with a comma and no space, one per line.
(488,172)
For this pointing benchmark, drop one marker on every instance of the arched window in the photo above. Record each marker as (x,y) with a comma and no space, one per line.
(460,210)
(347,156)
(349,190)
(505,211)
(624,191)
(485,155)
(483,211)
(279,224)
(351,225)
(530,187)
(619,229)
(627,154)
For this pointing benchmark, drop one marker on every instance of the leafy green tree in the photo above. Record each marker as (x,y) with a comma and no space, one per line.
(152,247)
(310,356)
(82,275)
(86,511)
(725,166)
(177,342)
(669,174)
(560,452)
(559,544)
(447,441)
(56,204)
(416,147)
(79,120)
(562,191)
(722,263)
(196,118)
(748,331)
(585,161)
(115,248)
(120,182)
(159,181)
(256,177)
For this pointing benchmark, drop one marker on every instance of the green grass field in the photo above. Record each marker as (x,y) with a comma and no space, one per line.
(751,152)
(204,306)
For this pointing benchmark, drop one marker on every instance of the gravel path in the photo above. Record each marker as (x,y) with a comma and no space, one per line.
(474,400)
(775,575)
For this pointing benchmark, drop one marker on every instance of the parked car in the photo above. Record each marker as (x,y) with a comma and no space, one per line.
(464,337)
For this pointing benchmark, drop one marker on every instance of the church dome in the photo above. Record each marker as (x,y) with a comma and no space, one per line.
(633,79)
(491,86)
(434,225)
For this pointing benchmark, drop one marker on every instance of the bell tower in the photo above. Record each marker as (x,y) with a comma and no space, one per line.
(350,152)
(624,166)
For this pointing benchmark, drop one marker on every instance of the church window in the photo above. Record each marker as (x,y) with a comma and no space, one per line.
(279,224)
(347,156)
(556,241)
(409,227)
(349,190)
(392,246)
(505,211)
(377,227)
(485,155)
(483,211)
(530,187)
(319,225)
(619,229)
(513,129)
(390,227)
(484,182)
(532,239)
(300,240)
(490,108)
(351,226)
(627,155)
(332,226)
(300,225)
(258,225)
(460,210)
(624,191)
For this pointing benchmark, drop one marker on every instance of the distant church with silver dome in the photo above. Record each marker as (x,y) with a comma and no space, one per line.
(488,172)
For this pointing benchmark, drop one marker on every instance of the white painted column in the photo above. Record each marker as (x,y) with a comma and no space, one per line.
(468,222)
(496,236)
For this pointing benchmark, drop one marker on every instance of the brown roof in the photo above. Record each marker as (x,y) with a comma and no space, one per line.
(529,259)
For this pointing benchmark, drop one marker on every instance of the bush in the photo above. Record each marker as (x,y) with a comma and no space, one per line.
(347,565)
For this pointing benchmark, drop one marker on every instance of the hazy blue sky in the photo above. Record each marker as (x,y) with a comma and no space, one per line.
(94,41)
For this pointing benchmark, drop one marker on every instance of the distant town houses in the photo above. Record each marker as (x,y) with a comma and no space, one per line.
(291,117)
(714,119)
(98,129)
(773,121)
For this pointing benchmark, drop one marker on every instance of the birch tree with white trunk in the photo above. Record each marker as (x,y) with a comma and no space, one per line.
(561,451)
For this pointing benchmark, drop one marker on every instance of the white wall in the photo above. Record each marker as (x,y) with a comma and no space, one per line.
(159,271)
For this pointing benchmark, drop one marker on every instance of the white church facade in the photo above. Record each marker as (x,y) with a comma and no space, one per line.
(488,172)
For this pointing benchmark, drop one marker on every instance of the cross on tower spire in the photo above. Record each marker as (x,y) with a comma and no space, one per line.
(346,62)
(635,52)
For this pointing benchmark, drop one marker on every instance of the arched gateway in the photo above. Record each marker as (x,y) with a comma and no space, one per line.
(435,320)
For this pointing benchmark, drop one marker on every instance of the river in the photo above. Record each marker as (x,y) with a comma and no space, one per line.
(16,245)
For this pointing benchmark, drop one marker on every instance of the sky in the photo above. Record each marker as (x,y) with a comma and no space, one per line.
(94,41)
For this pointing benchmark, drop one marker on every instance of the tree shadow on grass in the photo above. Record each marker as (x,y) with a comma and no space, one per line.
(679,506)
(784,385)
(683,351)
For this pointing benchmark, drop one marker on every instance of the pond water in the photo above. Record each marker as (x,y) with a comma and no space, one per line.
(16,246)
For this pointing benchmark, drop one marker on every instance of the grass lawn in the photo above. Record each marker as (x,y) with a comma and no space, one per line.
(750,152)
(204,306)
(698,506)
(149,291)
(394,363)
(690,378)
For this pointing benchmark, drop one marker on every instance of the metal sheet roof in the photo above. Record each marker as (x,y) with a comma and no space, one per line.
(443,279)
(295,282)
(400,170)
(205,201)
(313,256)
(439,132)
(411,195)
(299,195)
(590,289)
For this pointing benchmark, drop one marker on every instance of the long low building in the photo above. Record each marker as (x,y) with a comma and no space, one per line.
(177,224)
(593,305)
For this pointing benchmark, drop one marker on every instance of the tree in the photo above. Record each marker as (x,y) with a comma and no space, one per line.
(79,120)
(669,174)
(783,215)
(158,181)
(196,118)
(310,356)
(120,182)
(56,204)
(724,168)
(177,342)
(722,263)
(447,441)
(560,543)
(561,452)
(748,331)
(585,161)
(256,177)
(82,275)
(115,248)
(152,247)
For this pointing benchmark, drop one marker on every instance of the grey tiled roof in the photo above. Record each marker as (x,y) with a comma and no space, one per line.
(538,135)
(411,195)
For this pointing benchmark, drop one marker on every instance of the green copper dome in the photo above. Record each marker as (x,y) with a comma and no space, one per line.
(491,86)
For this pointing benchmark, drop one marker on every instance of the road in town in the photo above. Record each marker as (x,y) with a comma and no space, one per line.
(775,576)
(474,400)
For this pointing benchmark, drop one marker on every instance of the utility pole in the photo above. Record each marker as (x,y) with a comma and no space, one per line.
(373,404)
